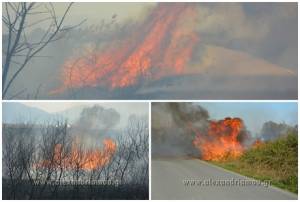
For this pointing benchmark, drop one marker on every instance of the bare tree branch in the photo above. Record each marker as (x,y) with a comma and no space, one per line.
(17,42)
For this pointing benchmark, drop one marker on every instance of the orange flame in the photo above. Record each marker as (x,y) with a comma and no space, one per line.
(257,143)
(78,158)
(162,46)
(221,141)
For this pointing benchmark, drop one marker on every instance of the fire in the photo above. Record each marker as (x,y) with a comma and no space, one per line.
(257,143)
(221,140)
(161,46)
(93,159)
(78,158)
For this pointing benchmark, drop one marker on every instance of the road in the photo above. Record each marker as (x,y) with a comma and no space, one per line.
(168,177)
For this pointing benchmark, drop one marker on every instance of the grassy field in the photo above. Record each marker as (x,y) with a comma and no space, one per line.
(275,160)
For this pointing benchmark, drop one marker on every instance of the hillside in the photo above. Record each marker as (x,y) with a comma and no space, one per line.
(17,112)
(216,60)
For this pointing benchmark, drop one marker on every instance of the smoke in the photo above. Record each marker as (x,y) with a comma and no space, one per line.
(189,113)
(134,61)
(272,130)
(162,45)
(185,129)
(208,47)
(94,123)
(255,28)
(97,117)
(170,133)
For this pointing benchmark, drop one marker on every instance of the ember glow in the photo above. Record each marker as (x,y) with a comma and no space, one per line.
(161,46)
(79,158)
(222,140)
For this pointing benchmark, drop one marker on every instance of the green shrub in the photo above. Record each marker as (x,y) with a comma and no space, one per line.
(274,160)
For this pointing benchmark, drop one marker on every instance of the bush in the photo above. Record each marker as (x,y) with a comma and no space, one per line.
(275,160)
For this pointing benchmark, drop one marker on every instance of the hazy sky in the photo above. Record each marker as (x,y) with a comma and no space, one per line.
(138,108)
(125,109)
(255,114)
(94,13)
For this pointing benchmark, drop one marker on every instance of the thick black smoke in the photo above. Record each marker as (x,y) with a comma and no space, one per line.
(189,113)
(171,128)
(175,126)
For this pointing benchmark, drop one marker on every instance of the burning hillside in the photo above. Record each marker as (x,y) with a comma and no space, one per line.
(162,45)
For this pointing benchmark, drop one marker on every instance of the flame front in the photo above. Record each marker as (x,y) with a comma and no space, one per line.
(161,46)
(79,159)
(221,141)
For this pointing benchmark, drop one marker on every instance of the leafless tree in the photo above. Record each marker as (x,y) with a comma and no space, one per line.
(18,148)
(131,159)
(18,47)
(55,147)
(56,155)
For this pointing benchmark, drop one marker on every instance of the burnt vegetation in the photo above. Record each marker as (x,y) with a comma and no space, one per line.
(34,167)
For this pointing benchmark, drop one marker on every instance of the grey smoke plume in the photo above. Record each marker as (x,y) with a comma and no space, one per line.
(97,117)
(95,121)
(176,125)
(189,113)
(272,130)
(171,135)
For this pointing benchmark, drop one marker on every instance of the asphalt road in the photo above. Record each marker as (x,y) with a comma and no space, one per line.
(168,177)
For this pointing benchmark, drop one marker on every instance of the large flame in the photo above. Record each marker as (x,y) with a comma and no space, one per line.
(78,158)
(221,140)
(161,46)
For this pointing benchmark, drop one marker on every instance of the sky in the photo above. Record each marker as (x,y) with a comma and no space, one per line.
(52,107)
(255,114)
(125,109)
(94,13)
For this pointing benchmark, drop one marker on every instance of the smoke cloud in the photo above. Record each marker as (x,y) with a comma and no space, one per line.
(201,50)
(186,130)
(272,130)
(95,121)
(170,135)
(97,117)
